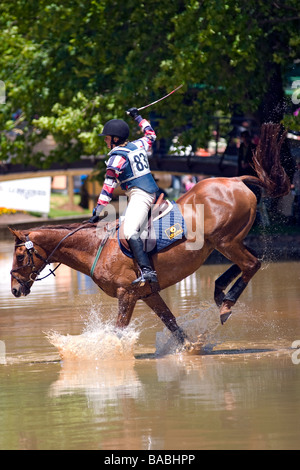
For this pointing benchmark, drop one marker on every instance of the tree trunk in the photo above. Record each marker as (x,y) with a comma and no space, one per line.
(273,104)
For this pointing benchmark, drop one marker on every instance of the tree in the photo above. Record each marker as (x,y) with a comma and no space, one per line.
(70,66)
(239,52)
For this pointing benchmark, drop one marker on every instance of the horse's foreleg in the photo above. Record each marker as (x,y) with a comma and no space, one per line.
(127,303)
(157,304)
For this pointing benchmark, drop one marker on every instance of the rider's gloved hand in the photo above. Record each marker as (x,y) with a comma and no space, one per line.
(133,112)
(96,214)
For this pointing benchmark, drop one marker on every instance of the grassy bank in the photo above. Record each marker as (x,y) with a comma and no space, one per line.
(60,206)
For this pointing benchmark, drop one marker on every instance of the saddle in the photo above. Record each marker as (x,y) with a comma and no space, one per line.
(165,226)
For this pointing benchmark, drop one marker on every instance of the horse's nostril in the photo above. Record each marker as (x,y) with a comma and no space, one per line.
(16,292)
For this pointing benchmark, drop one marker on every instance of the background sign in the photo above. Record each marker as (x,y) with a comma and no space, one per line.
(32,194)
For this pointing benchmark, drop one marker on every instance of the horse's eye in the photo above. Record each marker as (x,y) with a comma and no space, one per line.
(20,258)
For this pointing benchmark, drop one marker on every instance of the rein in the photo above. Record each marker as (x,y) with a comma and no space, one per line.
(102,244)
(32,251)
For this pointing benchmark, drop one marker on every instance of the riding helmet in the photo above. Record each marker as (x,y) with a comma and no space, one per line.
(116,128)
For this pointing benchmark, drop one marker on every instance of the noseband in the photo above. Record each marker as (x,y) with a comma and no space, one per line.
(30,263)
(32,251)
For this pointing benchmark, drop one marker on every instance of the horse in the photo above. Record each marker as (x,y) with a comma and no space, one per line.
(229,213)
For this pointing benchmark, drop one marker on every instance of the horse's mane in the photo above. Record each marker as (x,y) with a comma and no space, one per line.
(68,227)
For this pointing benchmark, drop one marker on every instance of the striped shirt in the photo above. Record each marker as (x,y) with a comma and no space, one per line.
(117,163)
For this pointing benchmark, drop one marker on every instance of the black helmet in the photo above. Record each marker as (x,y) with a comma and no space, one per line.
(116,128)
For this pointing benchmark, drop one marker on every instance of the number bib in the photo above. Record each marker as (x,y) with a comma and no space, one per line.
(136,171)
(139,164)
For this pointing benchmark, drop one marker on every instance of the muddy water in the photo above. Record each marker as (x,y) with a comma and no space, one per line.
(69,380)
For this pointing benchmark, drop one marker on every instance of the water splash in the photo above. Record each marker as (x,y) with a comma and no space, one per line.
(100,340)
(200,326)
(245,330)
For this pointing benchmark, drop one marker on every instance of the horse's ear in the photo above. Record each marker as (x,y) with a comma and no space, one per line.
(17,234)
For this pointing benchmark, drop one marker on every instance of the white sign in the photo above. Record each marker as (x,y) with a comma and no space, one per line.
(32,194)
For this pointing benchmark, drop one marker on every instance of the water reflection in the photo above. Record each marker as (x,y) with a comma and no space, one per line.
(108,381)
(243,393)
(189,403)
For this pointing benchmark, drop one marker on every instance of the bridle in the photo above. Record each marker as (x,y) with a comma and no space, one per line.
(32,251)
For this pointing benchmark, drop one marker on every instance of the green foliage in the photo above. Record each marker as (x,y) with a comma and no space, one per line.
(71,66)
(292,122)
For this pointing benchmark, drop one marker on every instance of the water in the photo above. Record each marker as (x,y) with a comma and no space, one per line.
(69,380)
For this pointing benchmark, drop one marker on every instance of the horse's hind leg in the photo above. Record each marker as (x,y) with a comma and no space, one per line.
(248,265)
(223,281)
(157,304)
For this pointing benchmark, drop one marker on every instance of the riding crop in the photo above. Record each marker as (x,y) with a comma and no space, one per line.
(160,99)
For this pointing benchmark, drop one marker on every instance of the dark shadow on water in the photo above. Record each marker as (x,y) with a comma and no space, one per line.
(236,351)
(207,351)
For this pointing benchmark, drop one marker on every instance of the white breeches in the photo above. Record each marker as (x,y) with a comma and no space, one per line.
(136,216)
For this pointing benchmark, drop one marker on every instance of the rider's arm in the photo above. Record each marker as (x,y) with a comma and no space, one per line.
(109,185)
(115,166)
(149,134)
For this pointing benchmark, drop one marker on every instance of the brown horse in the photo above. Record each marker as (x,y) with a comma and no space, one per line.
(229,213)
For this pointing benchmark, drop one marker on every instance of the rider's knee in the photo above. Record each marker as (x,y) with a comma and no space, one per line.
(131,234)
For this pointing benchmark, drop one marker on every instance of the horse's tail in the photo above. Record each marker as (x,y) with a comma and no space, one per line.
(267,164)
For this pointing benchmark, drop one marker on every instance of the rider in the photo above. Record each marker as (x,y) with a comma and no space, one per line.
(128,165)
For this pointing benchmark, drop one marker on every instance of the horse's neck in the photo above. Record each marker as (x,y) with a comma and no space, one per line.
(77,251)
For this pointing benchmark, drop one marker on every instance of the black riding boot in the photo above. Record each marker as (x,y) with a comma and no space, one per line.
(142,259)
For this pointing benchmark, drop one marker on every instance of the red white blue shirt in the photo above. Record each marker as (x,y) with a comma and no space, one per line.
(129,165)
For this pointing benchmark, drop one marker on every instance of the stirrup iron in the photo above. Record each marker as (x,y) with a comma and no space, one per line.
(146,275)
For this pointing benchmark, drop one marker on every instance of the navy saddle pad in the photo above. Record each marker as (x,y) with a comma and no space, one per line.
(161,233)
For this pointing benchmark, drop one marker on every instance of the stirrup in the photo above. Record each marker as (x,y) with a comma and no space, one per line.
(146,275)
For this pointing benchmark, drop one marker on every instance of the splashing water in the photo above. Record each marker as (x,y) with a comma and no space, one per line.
(102,341)
(99,341)
(200,327)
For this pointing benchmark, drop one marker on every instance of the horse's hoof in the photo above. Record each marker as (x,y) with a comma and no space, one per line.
(180,336)
(224,317)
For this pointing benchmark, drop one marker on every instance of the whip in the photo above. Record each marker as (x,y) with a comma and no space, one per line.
(160,99)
